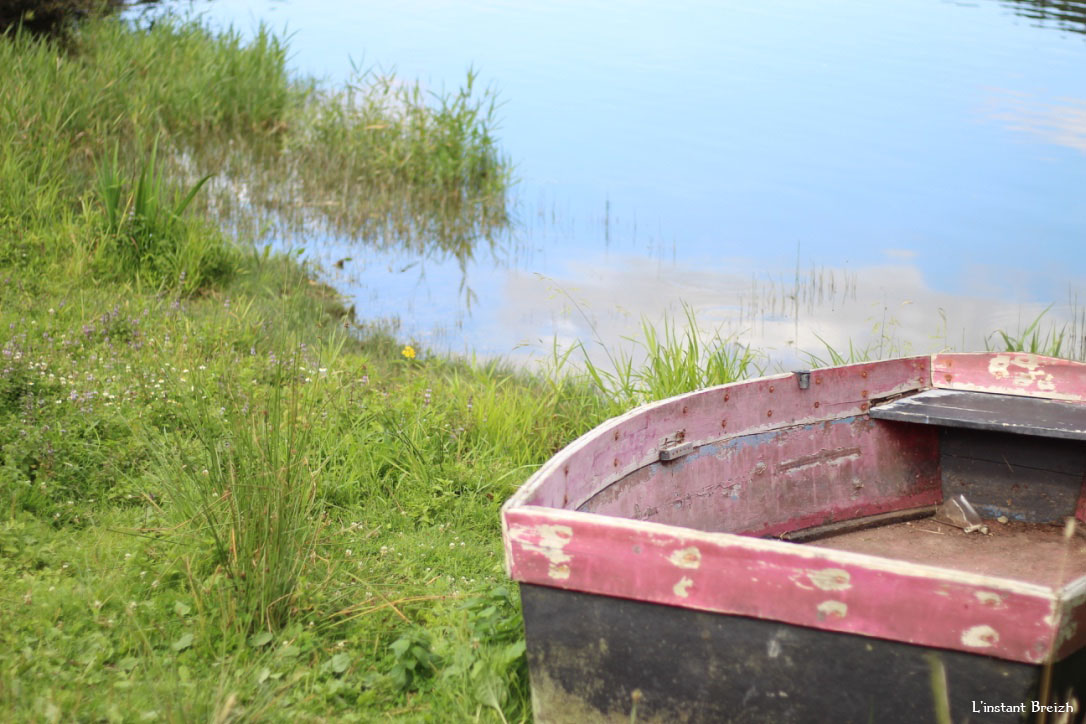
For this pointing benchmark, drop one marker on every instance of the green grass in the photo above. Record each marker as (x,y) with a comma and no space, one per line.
(85,127)
(201,514)
(661,362)
(222,499)
(1043,337)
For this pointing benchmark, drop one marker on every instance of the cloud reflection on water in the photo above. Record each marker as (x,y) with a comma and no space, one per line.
(898,312)
(1061,122)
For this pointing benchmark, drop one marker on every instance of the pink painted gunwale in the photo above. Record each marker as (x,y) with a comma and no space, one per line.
(798,584)
(1072,631)
(629,442)
(1010,373)
(548,542)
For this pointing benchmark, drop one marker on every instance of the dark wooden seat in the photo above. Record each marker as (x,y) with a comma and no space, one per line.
(988,411)
(1020,457)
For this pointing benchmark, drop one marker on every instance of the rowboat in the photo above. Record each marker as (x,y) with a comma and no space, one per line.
(886,541)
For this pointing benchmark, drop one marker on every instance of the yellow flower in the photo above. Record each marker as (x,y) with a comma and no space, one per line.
(408,351)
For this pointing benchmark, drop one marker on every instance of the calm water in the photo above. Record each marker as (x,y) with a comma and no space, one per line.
(914,168)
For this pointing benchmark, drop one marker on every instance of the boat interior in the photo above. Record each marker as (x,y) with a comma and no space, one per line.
(1013,477)
(973,481)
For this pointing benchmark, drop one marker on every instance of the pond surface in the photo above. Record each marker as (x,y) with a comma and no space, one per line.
(794,171)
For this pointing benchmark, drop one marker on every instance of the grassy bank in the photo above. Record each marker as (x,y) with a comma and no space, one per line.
(222,498)
(215,508)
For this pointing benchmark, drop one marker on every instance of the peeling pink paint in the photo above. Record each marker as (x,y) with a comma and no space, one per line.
(632,441)
(1071,629)
(776,580)
(1011,373)
(768,483)
(549,542)
(606,515)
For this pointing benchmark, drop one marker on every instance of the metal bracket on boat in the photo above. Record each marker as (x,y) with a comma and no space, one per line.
(803,378)
(959,512)
(674,447)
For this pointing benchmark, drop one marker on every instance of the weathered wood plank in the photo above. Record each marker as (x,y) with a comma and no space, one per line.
(1011,373)
(1071,633)
(1032,479)
(624,444)
(987,411)
(829,530)
(799,584)
(776,482)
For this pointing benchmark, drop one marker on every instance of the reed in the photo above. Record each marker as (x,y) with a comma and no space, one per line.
(380,161)
(146,236)
(250,490)
(384,163)
(1042,337)
(665,360)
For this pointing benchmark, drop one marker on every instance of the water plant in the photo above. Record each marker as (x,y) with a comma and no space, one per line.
(1036,338)
(384,162)
(146,235)
(677,357)
(381,161)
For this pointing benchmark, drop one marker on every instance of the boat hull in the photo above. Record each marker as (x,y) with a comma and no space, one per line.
(767,551)
(588,654)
